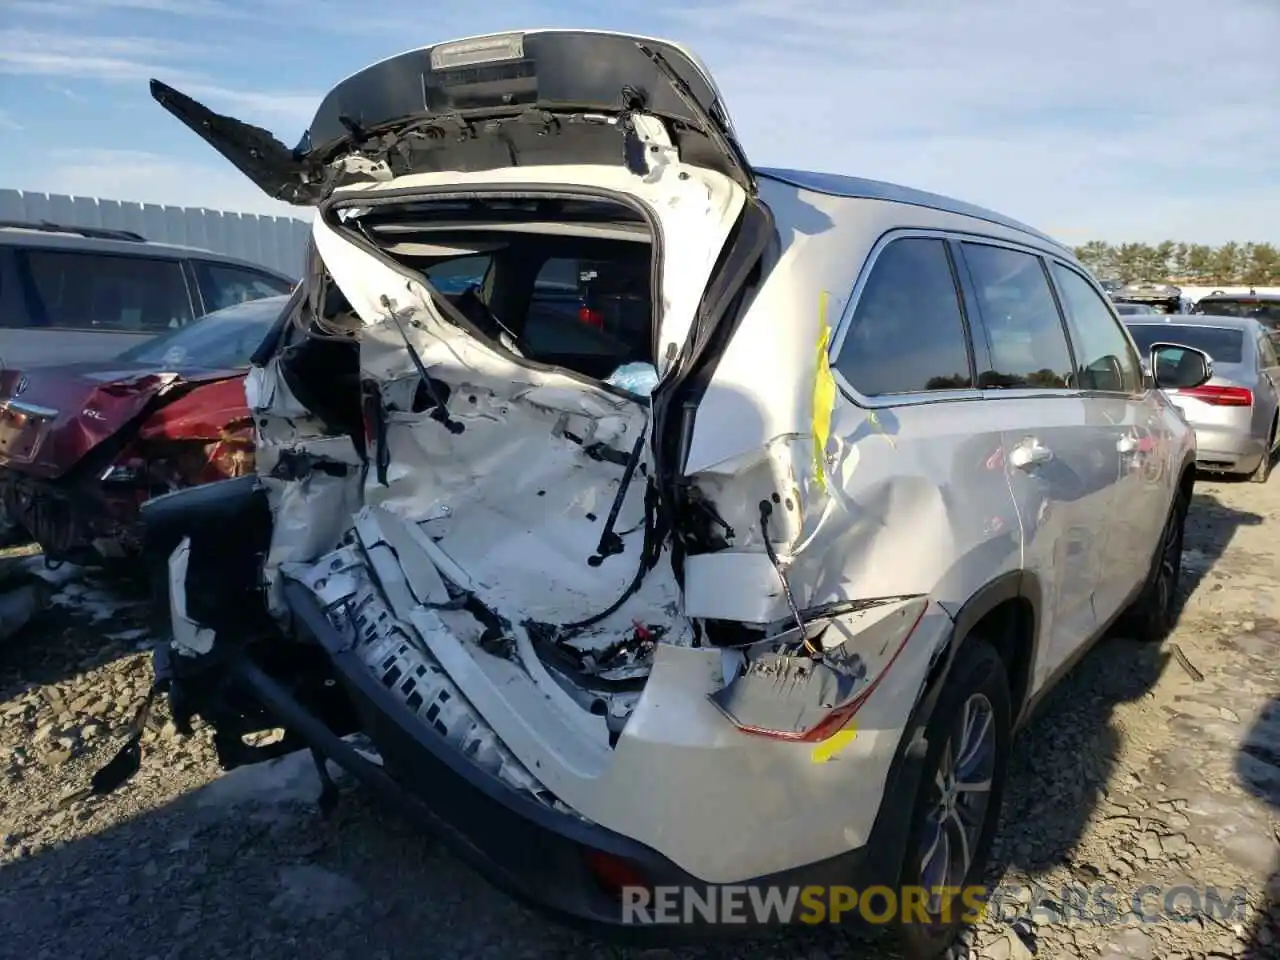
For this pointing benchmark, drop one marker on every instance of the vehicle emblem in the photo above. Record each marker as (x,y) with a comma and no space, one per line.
(21,386)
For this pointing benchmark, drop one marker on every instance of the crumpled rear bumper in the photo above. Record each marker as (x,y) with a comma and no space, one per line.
(550,860)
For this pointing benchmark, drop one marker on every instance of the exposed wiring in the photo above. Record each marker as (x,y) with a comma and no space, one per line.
(766,511)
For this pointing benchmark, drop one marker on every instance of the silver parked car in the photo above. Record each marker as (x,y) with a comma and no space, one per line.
(769,615)
(70,294)
(1235,413)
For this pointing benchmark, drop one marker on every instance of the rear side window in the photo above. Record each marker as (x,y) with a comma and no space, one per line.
(1028,342)
(907,334)
(225,286)
(1104,358)
(110,294)
(1267,351)
(456,276)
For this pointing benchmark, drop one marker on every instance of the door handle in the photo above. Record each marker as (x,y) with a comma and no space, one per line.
(1028,453)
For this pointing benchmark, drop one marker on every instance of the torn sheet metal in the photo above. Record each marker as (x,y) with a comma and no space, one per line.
(787,692)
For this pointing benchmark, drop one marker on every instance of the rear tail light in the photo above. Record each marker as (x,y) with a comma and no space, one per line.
(818,720)
(613,873)
(1220,396)
(592,318)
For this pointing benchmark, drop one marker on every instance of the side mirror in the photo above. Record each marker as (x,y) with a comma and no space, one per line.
(1176,367)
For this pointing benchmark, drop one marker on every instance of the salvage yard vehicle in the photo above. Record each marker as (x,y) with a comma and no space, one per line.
(72,294)
(1263,307)
(1235,414)
(774,622)
(83,445)
(1158,297)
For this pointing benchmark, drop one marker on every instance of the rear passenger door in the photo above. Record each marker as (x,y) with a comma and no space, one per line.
(224,285)
(923,499)
(1108,373)
(82,305)
(1060,456)
(1270,372)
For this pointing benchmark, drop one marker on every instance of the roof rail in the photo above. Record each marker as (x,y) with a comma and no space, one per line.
(96,233)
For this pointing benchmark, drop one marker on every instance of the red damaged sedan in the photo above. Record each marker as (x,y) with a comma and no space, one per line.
(82,446)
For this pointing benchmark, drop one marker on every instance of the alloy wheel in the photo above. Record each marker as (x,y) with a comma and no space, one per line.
(959,802)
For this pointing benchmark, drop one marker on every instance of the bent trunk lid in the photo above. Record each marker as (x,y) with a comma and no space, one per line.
(539,97)
(50,418)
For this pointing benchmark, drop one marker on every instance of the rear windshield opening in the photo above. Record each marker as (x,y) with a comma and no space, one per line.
(564,283)
(1221,343)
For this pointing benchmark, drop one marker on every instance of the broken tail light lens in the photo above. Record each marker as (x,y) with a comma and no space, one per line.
(1220,396)
(806,699)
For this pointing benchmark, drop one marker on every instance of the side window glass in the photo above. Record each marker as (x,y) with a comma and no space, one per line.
(85,291)
(225,286)
(1028,343)
(454,277)
(907,334)
(1266,351)
(1104,359)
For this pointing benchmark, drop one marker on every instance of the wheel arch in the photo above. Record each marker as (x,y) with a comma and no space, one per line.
(1005,612)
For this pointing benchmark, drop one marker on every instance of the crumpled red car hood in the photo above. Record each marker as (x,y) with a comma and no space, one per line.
(52,416)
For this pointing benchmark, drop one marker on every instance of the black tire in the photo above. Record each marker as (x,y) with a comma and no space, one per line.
(1152,615)
(158,618)
(1263,473)
(977,682)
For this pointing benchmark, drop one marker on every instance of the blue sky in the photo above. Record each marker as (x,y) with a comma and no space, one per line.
(1111,119)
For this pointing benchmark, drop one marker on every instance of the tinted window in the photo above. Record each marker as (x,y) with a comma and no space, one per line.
(1221,343)
(1267,312)
(105,293)
(1104,358)
(1028,342)
(1267,352)
(217,341)
(224,286)
(907,334)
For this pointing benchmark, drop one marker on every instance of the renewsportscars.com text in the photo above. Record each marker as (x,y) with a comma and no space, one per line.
(1099,904)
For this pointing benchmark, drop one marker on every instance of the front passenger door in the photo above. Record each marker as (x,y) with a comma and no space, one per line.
(1109,375)
(1061,470)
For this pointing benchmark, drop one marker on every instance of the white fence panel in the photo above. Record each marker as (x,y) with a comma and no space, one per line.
(275,242)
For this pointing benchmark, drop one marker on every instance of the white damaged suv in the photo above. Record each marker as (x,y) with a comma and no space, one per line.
(656,519)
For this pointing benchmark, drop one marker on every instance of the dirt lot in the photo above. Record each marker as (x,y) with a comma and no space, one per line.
(1146,768)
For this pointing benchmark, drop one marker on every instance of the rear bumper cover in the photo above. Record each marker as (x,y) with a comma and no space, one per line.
(1228,450)
(538,855)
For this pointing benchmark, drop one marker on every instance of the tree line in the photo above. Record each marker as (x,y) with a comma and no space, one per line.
(1232,264)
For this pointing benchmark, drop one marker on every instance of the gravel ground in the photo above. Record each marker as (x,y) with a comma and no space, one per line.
(1144,768)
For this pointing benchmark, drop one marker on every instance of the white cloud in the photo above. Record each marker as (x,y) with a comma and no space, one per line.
(1119,118)
(7,122)
(1125,119)
(134,60)
(80,9)
(143,177)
